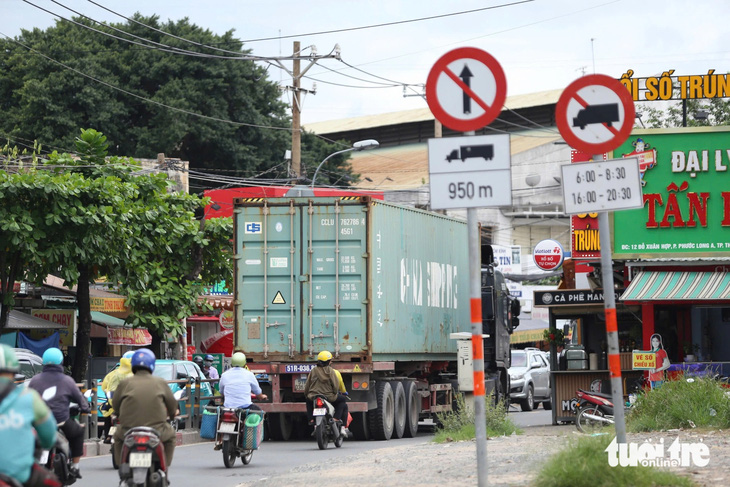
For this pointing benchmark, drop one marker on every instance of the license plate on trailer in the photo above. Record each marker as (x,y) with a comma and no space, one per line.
(319,411)
(227,428)
(299,383)
(143,460)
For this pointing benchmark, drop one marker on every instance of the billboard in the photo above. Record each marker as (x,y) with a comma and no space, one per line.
(686,194)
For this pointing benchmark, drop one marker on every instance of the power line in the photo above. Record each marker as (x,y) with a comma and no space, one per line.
(387,24)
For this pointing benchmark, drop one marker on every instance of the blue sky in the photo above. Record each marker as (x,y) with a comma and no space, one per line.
(541,44)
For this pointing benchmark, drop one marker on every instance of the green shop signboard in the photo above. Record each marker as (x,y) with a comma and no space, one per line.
(686,192)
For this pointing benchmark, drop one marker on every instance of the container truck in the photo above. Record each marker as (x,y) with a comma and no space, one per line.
(381,286)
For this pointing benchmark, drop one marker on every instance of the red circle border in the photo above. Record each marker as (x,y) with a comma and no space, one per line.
(500,95)
(561,113)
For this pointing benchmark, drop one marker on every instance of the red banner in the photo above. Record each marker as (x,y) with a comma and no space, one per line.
(128,336)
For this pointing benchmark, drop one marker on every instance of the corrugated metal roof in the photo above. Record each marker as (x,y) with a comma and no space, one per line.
(406,166)
(17,320)
(514,102)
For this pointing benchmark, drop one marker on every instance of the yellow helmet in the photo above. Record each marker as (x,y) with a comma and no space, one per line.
(324,356)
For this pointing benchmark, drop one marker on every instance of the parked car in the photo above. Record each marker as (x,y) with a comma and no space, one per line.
(30,363)
(530,379)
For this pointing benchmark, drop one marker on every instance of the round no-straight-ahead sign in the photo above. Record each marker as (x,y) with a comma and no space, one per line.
(595,114)
(466,89)
(548,255)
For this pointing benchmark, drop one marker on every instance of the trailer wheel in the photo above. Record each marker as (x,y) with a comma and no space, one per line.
(280,426)
(381,419)
(413,408)
(359,426)
(400,410)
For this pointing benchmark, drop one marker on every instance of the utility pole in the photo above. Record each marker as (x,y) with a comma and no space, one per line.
(296,116)
(296,110)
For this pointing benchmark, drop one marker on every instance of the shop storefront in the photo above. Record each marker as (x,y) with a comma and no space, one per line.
(583,360)
(677,248)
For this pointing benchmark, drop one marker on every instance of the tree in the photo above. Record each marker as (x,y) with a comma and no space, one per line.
(105,220)
(717,111)
(42,100)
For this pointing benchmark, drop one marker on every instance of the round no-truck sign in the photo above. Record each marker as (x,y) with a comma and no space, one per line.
(466,89)
(595,114)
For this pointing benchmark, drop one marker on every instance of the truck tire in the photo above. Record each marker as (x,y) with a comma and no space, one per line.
(528,404)
(359,426)
(382,419)
(400,411)
(413,408)
(280,426)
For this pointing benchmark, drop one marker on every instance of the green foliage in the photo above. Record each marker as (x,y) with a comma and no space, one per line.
(585,464)
(683,403)
(100,215)
(458,425)
(43,100)
(672,115)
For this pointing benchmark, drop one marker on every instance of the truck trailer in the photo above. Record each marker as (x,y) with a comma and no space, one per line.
(382,287)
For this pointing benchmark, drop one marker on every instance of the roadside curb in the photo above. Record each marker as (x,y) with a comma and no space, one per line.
(93,448)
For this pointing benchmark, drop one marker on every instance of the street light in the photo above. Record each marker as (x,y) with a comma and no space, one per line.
(357,146)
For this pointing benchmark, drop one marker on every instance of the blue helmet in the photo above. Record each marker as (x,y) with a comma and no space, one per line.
(128,354)
(143,358)
(53,356)
(209,358)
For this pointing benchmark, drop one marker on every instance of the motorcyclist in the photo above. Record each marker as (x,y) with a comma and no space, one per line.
(324,380)
(144,400)
(59,391)
(237,384)
(208,369)
(21,412)
(109,385)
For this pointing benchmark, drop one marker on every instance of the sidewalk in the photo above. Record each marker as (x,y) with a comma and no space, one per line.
(96,447)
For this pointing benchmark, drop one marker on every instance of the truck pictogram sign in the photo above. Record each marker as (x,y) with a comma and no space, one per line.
(471,151)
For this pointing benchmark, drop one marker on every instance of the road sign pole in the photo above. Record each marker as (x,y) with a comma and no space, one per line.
(609,304)
(475,288)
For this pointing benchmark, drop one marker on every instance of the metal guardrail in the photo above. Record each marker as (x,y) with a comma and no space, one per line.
(192,399)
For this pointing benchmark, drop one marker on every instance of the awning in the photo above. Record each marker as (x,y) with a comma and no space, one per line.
(17,320)
(221,342)
(107,320)
(203,319)
(678,286)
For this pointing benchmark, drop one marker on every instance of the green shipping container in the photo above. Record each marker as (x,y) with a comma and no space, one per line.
(364,279)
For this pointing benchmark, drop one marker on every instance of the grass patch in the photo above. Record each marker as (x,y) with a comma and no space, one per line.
(459,425)
(585,463)
(701,403)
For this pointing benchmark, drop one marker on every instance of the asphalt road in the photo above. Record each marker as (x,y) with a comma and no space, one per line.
(198,464)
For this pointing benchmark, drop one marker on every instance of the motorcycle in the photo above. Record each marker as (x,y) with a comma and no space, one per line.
(143,457)
(231,431)
(6,481)
(58,458)
(326,428)
(595,411)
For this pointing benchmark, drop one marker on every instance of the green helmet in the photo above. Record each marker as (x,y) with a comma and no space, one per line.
(8,360)
(238,359)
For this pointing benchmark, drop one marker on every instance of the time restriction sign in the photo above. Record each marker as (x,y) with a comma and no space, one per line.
(602,186)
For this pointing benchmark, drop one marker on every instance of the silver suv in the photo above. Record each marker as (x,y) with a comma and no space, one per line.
(530,379)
